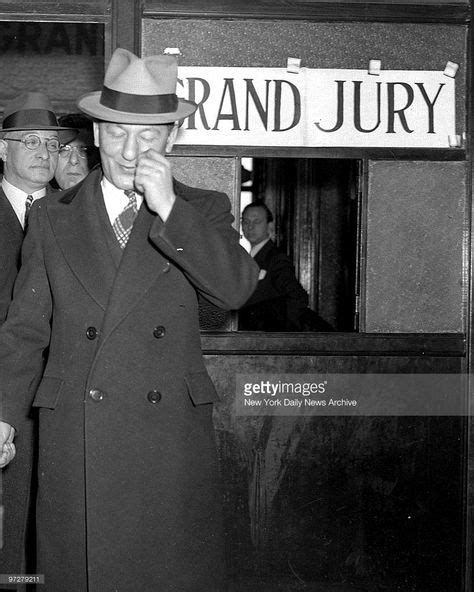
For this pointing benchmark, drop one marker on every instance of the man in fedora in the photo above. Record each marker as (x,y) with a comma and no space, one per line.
(128,494)
(29,143)
(79,156)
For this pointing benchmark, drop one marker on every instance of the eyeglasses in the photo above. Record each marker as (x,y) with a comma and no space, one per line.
(33,142)
(66,150)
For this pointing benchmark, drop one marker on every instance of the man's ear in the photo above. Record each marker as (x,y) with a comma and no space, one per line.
(3,149)
(96,133)
(172,137)
(271,230)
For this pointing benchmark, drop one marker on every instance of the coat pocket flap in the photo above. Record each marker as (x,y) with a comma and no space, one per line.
(201,388)
(48,392)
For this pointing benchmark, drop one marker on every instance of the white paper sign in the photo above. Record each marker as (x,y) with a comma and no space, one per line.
(327,108)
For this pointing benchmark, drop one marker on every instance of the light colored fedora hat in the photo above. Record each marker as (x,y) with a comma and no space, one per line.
(136,90)
(33,111)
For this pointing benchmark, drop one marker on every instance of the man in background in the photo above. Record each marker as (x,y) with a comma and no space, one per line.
(279,303)
(29,143)
(29,146)
(79,156)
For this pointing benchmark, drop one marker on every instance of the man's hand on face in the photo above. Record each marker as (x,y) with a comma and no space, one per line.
(7,448)
(153,178)
(133,157)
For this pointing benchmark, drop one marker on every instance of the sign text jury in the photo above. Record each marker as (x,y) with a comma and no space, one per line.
(277,104)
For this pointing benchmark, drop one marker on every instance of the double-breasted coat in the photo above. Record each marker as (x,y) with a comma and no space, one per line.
(128,488)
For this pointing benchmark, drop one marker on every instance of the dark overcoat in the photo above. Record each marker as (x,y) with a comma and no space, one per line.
(16,477)
(128,494)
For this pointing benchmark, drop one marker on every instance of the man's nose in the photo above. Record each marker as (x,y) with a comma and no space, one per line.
(130,148)
(73,158)
(43,152)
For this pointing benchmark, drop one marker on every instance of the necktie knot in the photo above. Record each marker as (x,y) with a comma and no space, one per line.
(123,223)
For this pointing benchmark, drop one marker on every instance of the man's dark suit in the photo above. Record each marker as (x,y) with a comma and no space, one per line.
(279,299)
(15,478)
(128,494)
(279,302)
(11,237)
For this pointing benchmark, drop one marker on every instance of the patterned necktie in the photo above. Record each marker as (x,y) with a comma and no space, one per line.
(123,223)
(28,204)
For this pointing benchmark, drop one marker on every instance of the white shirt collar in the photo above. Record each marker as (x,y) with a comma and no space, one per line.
(17,198)
(254,250)
(115,199)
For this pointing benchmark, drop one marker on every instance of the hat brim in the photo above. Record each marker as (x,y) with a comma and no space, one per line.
(90,104)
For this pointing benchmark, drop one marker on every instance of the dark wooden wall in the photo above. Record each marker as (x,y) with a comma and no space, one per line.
(373,501)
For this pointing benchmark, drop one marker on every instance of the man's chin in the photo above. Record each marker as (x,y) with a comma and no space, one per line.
(42,178)
(123,182)
(125,186)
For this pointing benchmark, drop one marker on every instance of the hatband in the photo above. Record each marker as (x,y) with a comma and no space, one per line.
(130,103)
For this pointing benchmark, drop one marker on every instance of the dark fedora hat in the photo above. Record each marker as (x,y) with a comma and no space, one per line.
(33,111)
(139,91)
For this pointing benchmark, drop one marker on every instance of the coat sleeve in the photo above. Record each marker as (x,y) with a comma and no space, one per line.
(199,239)
(26,332)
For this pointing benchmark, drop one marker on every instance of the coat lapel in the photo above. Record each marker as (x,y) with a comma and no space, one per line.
(139,269)
(261,258)
(79,233)
(8,216)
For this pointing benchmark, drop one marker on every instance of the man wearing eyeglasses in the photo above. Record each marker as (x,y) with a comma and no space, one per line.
(29,143)
(79,156)
(29,146)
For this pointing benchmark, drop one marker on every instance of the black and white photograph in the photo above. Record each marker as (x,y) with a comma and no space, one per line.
(236,295)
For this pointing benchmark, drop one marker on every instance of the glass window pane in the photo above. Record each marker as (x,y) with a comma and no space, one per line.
(63,60)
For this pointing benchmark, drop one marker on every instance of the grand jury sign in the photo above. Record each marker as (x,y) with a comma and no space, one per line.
(315,107)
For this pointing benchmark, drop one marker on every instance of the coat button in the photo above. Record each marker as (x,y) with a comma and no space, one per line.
(96,395)
(154,397)
(159,331)
(91,333)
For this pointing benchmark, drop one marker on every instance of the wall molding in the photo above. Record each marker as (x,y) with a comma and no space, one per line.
(402,11)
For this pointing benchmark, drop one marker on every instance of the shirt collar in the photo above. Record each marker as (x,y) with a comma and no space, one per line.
(14,192)
(17,198)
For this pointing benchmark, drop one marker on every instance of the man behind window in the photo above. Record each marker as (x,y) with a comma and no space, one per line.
(279,302)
